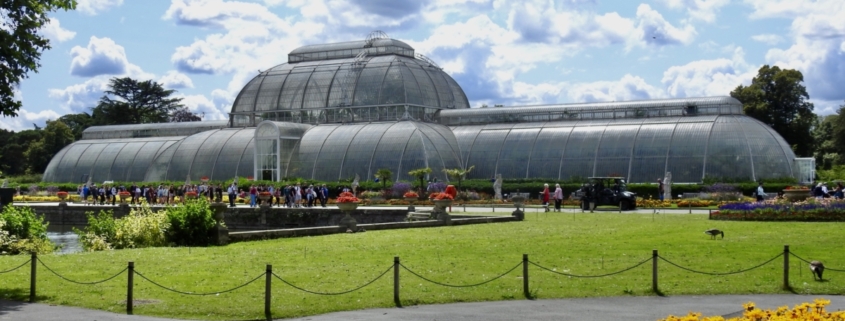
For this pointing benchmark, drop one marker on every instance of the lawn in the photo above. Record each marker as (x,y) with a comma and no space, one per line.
(580,243)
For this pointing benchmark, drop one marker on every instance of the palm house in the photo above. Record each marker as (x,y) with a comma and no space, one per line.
(334,111)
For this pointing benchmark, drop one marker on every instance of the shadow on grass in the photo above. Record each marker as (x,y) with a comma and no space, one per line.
(12,300)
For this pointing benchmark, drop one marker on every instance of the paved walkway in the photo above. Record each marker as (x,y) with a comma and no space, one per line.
(595,309)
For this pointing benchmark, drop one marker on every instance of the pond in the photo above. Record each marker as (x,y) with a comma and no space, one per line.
(64,237)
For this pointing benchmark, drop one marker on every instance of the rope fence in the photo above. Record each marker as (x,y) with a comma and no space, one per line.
(396,267)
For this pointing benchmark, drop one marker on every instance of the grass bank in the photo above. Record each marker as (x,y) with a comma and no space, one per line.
(585,244)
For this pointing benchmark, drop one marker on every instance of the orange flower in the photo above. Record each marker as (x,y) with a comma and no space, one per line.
(347,197)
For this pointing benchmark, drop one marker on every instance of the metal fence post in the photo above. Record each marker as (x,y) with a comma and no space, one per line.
(654,270)
(129,287)
(786,267)
(268,291)
(33,263)
(396,281)
(525,288)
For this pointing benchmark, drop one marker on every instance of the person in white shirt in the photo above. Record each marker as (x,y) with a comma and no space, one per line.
(760,193)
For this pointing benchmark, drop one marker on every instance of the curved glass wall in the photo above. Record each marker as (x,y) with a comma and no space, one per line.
(332,152)
(642,150)
(215,154)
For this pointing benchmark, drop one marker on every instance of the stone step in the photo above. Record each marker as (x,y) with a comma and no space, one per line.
(419,216)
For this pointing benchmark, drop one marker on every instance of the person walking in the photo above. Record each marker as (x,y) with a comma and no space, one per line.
(760,193)
(253,194)
(558,197)
(546,197)
(233,189)
(660,189)
(324,195)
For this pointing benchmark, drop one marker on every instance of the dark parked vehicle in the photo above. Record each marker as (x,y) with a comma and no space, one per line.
(606,191)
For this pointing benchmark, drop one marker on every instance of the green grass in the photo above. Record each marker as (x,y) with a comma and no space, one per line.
(586,244)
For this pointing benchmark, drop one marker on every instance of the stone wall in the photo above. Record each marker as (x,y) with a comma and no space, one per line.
(240,218)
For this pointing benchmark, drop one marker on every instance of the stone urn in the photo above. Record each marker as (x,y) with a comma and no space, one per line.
(264,197)
(221,232)
(411,201)
(62,196)
(518,201)
(123,197)
(348,223)
(191,195)
(796,195)
(439,211)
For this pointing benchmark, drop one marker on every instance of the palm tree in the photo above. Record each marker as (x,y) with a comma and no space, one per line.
(384,175)
(420,173)
(458,174)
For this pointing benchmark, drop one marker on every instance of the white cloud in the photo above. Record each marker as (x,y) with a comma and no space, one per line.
(708,77)
(629,87)
(818,32)
(175,80)
(54,31)
(102,56)
(201,105)
(653,29)
(704,10)
(26,120)
(93,7)
(769,39)
(81,97)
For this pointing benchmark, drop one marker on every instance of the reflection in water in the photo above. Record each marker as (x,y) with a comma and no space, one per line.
(67,241)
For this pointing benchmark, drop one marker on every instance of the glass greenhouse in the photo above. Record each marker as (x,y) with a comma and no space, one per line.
(334,111)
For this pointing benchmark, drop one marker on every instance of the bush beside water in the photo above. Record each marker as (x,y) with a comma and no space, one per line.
(21,231)
(191,224)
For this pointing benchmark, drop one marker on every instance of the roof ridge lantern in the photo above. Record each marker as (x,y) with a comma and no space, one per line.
(377,43)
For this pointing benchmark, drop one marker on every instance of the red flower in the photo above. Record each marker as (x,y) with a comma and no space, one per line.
(440,196)
(347,197)
(411,194)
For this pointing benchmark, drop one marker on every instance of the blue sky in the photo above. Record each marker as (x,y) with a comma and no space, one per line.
(501,52)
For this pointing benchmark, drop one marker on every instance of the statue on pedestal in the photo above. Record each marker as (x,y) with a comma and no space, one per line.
(667,186)
(355,184)
(497,186)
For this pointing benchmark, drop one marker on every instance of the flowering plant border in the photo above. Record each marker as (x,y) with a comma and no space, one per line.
(811,210)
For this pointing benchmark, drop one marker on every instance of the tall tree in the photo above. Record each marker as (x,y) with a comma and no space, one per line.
(77,123)
(55,136)
(827,153)
(778,98)
(12,148)
(135,102)
(184,115)
(20,21)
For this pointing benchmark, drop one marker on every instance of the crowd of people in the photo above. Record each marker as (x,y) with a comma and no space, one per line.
(290,196)
(161,195)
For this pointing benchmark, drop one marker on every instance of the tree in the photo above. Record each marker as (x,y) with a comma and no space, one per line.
(827,153)
(55,136)
(458,174)
(77,123)
(778,98)
(12,148)
(384,175)
(184,115)
(22,44)
(135,102)
(420,174)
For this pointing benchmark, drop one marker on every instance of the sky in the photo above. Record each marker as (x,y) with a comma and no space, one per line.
(500,52)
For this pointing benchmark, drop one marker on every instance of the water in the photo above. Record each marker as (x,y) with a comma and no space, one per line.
(68,242)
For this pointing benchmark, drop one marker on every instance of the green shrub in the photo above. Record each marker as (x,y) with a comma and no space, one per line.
(23,223)
(141,228)
(191,224)
(23,232)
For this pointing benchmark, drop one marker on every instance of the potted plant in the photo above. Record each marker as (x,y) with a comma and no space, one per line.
(796,193)
(411,196)
(441,200)
(347,202)
(264,196)
(191,195)
(123,195)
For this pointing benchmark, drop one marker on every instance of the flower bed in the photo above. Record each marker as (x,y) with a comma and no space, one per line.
(347,197)
(803,312)
(811,210)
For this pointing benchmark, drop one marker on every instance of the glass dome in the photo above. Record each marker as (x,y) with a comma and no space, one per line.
(346,90)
